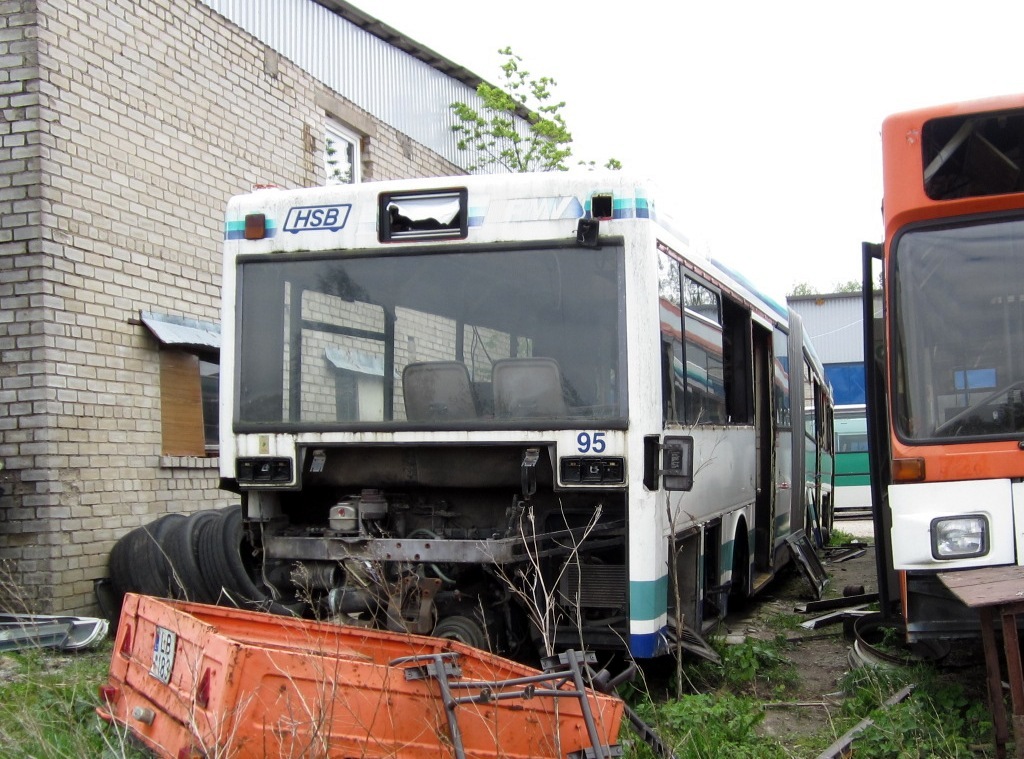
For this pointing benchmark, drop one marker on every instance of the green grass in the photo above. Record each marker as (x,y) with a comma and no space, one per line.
(707,726)
(784,621)
(48,706)
(754,667)
(941,718)
(721,715)
(945,716)
(839,537)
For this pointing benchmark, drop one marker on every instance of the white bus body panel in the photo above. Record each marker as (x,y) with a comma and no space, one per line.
(723,479)
(853,498)
(915,506)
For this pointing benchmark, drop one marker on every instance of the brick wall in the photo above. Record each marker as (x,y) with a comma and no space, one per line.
(127,126)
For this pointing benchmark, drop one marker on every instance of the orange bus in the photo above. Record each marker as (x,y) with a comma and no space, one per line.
(946,385)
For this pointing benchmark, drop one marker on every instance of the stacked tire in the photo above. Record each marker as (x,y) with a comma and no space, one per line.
(204,558)
(138,562)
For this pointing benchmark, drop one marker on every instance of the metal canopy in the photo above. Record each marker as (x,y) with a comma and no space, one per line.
(182,331)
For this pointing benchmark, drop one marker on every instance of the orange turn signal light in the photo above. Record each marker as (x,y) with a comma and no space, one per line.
(255,226)
(907,470)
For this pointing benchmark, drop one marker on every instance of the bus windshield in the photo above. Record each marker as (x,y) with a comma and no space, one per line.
(436,339)
(958,331)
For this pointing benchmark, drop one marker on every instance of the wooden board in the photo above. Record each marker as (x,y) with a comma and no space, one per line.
(989,586)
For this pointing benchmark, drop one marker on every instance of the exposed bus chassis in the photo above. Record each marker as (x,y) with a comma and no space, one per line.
(481,565)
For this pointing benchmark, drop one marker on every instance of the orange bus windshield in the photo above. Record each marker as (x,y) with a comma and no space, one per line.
(958,323)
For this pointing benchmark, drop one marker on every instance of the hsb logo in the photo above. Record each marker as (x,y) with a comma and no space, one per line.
(316,218)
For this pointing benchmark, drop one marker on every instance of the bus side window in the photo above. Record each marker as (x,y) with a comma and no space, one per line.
(705,351)
(668,386)
(673,362)
(737,365)
(704,361)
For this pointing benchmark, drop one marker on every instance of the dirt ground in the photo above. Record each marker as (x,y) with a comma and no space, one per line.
(821,656)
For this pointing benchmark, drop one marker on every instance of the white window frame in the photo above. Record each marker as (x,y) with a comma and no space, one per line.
(345,142)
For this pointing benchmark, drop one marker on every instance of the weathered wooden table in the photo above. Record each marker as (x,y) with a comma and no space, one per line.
(997,591)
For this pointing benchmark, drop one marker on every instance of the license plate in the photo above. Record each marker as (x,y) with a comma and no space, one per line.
(164,645)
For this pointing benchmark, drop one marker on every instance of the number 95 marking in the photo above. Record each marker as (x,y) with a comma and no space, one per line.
(587,442)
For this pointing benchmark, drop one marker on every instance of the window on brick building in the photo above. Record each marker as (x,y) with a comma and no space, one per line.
(188,403)
(341,154)
(209,385)
(189,384)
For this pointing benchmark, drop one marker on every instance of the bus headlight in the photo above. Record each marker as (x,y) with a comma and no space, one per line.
(960,537)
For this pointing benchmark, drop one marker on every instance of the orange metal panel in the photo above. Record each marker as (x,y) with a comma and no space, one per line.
(248,684)
(903,169)
(965,461)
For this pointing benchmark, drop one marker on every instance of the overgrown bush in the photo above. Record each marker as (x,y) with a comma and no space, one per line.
(940,719)
(710,726)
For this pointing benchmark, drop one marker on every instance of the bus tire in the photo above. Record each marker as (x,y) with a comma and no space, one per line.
(463,629)
(739,587)
(119,565)
(161,571)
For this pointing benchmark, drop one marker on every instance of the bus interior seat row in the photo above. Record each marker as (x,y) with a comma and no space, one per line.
(521,388)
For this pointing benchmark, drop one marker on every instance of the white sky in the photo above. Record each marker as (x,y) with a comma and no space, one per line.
(759,121)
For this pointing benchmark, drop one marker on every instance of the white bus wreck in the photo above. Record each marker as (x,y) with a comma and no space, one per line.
(515,411)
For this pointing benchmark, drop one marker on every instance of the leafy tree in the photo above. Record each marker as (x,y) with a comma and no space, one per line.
(494,132)
(803,288)
(339,171)
(851,286)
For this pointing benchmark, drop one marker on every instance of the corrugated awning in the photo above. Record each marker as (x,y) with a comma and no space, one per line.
(355,361)
(182,331)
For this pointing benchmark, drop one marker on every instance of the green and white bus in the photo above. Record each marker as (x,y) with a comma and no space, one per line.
(853,472)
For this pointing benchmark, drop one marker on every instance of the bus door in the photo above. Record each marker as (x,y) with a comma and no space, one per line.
(805,513)
(785,369)
(797,471)
(764,504)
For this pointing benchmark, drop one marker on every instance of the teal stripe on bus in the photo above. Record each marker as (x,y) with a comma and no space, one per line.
(727,550)
(648,599)
(852,479)
(235,229)
(852,463)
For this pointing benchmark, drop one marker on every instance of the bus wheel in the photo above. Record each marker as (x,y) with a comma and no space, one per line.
(827,519)
(740,570)
(463,629)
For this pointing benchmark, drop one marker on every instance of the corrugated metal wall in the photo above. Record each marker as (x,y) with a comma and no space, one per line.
(392,85)
(834,324)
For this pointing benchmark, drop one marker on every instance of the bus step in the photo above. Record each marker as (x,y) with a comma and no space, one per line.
(761,579)
(691,642)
